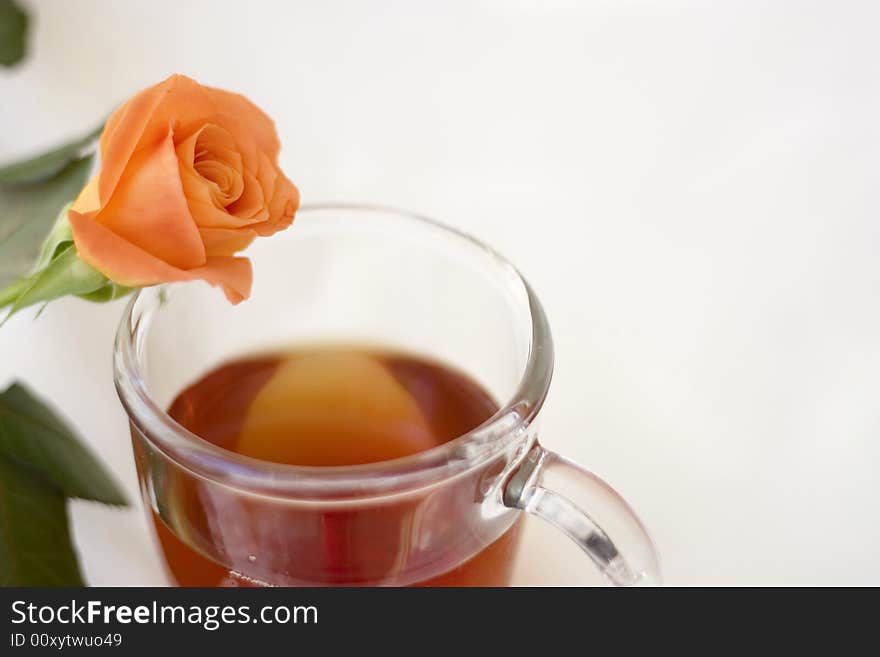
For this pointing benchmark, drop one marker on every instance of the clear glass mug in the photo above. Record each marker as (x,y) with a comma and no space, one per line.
(449,515)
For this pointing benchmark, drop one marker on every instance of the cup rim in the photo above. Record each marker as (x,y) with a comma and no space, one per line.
(442,462)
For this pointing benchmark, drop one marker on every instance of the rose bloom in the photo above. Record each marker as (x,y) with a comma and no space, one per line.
(189,176)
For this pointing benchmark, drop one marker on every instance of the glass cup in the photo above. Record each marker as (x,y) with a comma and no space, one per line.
(446,516)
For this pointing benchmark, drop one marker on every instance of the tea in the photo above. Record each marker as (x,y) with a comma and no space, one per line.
(335,407)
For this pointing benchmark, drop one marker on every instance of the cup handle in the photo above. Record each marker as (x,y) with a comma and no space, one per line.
(559,491)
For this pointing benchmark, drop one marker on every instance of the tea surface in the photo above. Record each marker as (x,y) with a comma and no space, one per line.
(333,407)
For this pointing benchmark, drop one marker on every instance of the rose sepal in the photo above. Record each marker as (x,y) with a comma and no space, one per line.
(59,272)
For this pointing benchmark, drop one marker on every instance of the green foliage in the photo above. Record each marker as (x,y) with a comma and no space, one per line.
(47,165)
(34,198)
(42,463)
(13,33)
(28,213)
(32,433)
(35,545)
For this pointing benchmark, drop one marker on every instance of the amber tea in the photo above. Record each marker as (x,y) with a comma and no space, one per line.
(335,407)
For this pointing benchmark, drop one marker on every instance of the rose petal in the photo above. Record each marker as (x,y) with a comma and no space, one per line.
(225,182)
(226,241)
(207,215)
(267,174)
(219,164)
(233,274)
(210,147)
(186,105)
(88,199)
(149,209)
(247,121)
(217,141)
(129,265)
(282,208)
(194,187)
(251,203)
(124,130)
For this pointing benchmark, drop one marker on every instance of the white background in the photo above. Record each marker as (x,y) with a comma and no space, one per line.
(691,187)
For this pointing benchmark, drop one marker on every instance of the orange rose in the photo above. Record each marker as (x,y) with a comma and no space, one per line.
(189,176)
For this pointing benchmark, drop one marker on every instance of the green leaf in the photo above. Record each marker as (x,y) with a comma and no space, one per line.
(35,545)
(32,433)
(47,164)
(13,33)
(28,212)
(66,274)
